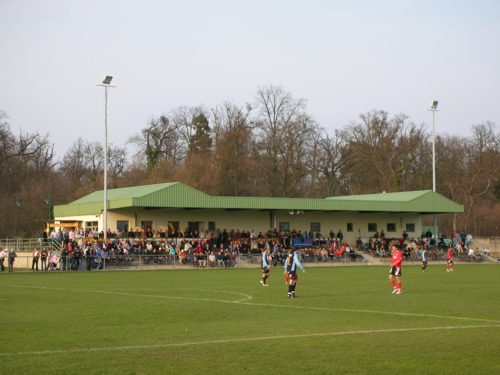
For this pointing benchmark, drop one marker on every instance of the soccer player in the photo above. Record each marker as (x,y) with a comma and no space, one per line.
(423,254)
(291,263)
(265,264)
(449,260)
(395,271)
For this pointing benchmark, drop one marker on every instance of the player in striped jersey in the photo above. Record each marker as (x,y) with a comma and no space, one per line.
(266,266)
(291,263)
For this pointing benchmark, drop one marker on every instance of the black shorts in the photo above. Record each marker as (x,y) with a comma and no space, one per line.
(395,271)
(424,262)
(292,275)
(265,270)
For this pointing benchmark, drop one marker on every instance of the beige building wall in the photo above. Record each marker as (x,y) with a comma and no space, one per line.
(351,224)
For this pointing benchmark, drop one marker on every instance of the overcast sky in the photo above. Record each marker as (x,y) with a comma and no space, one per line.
(344,57)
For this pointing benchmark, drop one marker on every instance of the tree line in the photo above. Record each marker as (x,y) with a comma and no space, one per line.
(272,147)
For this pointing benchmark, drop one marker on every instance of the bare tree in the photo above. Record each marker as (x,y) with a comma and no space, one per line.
(285,132)
(161,140)
(26,171)
(233,151)
(384,152)
(330,159)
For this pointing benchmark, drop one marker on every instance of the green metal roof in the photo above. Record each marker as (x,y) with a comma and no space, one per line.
(178,195)
(123,193)
(402,196)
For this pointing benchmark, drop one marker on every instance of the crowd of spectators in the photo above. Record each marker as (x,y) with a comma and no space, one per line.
(221,248)
(378,244)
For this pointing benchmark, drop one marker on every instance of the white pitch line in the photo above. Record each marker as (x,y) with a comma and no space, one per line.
(242,339)
(245,302)
(246,297)
(370,312)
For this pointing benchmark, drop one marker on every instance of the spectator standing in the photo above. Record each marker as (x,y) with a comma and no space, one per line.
(89,257)
(340,235)
(34,263)
(3,254)
(64,259)
(43,257)
(462,237)
(12,258)
(453,237)
(468,240)
(52,261)
(395,271)
(332,235)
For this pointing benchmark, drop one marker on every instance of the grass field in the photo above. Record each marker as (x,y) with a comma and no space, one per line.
(344,321)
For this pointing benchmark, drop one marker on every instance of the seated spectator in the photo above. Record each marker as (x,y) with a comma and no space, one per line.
(323,254)
(220,259)
(471,254)
(212,259)
(52,262)
(486,250)
(359,243)
(182,256)
(340,252)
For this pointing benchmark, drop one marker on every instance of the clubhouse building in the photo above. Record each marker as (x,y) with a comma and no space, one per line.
(179,206)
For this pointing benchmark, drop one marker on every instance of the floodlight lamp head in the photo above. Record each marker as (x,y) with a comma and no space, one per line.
(434,105)
(107,80)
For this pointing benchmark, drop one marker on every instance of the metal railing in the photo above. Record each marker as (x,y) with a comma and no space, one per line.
(30,244)
(148,262)
(110,262)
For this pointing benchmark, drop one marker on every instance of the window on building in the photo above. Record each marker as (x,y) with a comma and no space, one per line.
(122,225)
(194,228)
(410,227)
(211,226)
(391,227)
(284,226)
(91,225)
(173,227)
(316,227)
(372,227)
(350,227)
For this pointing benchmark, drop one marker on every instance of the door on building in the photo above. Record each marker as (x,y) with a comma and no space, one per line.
(173,228)
(194,228)
(147,226)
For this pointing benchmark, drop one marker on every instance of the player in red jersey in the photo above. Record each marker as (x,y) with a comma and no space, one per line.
(449,260)
(395,271)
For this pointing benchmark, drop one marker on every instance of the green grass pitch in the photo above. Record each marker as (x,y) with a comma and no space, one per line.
(344,321)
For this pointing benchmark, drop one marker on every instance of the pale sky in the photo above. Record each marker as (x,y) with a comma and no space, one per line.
(344,57)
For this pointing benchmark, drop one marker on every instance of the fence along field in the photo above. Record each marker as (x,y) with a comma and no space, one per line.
(345,320)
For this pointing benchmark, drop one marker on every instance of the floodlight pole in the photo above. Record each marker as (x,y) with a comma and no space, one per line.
(433,109)
(433,150)
(105,83)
